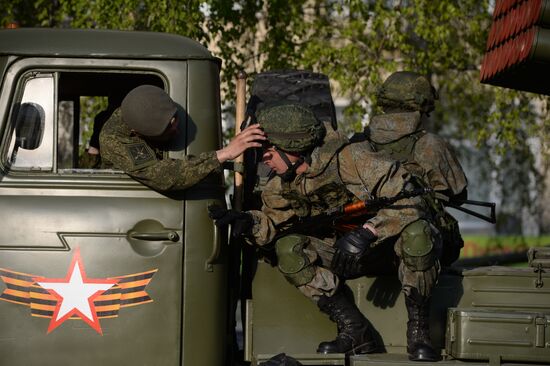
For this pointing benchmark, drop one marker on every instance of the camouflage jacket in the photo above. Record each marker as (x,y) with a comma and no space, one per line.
(149,164)
(339,173)
(432,158)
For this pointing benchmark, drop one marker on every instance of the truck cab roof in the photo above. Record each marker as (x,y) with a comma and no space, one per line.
(99,44)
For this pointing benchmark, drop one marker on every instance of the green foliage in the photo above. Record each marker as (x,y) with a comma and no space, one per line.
(89,108)
(479,245)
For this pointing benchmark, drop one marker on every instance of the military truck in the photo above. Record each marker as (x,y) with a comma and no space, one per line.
(140,277)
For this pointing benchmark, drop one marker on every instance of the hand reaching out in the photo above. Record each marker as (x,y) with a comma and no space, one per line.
(251,136)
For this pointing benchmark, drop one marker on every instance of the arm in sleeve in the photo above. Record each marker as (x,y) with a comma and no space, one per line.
(177,174)
(161,175)
(390,221)
(442,168)
(275,211)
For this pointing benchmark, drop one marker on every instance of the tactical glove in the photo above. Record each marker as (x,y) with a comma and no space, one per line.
(241,222)
(350,250)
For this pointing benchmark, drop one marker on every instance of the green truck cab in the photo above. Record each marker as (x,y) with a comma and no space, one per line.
(82,231)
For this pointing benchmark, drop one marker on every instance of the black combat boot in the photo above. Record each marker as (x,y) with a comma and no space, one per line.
(419,345)
(355,335)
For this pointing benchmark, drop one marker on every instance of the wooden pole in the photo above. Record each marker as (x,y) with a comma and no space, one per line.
(240,107)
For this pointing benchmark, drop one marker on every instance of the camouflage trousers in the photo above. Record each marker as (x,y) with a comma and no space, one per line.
(385,259)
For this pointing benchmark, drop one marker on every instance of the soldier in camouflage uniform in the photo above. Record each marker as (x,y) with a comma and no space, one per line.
(407,98)
(318,169)
(134,140)
(91,157)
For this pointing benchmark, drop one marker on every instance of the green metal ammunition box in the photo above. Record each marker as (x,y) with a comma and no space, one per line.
(475,334)
(506,288)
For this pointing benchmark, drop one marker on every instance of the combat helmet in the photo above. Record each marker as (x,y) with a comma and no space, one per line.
(407,90)
(147,110)
(291,127)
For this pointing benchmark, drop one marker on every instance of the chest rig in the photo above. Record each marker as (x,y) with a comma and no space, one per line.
(315,195)
(402,151)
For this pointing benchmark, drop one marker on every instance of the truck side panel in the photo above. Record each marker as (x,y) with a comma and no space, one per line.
(205,285)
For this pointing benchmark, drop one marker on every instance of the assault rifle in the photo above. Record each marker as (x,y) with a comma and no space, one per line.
(347,217)
(344,218)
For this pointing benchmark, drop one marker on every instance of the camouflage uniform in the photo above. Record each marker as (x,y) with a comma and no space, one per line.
(341,173)
(405,98)
(431,157)
(149,164)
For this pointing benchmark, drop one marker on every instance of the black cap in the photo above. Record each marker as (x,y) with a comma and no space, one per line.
(147,110)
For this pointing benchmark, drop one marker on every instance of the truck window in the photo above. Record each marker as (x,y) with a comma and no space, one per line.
(31,146)
(57,121)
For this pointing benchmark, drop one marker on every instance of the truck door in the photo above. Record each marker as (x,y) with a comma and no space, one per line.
(91,262)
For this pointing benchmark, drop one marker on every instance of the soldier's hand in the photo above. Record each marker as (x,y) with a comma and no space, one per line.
(241,222)
(350,250)
(252,136)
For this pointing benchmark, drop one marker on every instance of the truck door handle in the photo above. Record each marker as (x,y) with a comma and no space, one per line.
(159,236)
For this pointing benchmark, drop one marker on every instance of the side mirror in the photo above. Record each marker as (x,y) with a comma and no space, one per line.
(29,126)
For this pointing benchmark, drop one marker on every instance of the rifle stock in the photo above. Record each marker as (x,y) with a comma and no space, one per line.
(457,205)
(490,219)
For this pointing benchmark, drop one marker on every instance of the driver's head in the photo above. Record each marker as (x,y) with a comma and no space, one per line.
(150,112)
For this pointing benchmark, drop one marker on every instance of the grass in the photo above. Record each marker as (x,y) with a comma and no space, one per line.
(477,245)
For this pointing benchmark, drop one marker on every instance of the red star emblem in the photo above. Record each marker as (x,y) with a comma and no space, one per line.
(75,294)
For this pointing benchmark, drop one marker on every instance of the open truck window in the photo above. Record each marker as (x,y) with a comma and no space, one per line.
(57,118)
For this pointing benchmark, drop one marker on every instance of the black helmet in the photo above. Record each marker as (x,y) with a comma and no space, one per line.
(148,110)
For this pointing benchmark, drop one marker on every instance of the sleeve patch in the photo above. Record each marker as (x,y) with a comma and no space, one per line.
(141,154)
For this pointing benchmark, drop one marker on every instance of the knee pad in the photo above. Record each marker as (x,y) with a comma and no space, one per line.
(417,246)
(293,262)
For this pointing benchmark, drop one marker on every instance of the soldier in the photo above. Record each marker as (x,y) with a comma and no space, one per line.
(407,98)
(91,158)
(318,169)
(134,140)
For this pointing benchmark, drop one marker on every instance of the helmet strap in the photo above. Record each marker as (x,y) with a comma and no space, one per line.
(290,173)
